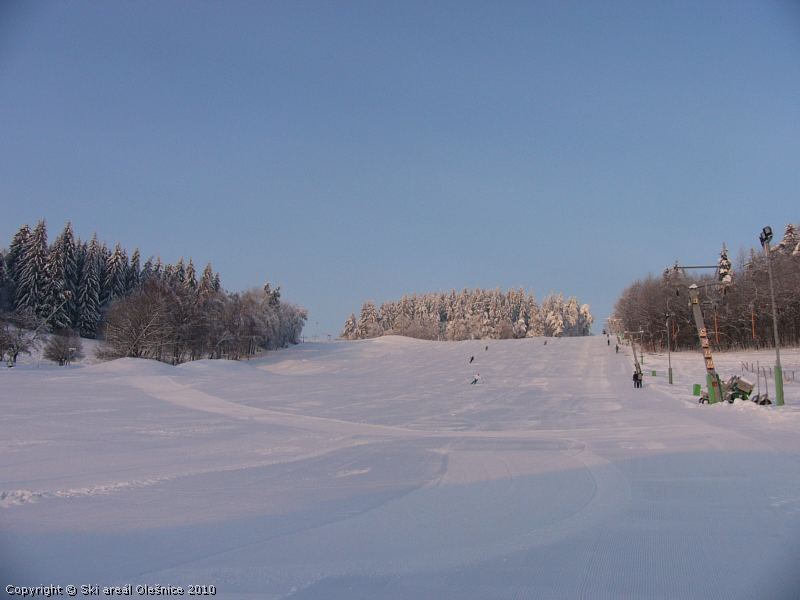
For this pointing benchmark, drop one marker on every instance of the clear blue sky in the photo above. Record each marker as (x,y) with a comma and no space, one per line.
(361,150)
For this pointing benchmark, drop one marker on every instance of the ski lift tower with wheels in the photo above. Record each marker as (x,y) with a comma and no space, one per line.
(713,382)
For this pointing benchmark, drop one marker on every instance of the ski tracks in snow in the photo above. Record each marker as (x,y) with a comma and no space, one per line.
(485,503)
(186,396)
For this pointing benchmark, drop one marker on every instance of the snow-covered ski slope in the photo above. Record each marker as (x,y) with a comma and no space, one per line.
(374,470)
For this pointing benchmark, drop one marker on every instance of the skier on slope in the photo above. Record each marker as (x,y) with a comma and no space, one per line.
(616,348)
(475,379)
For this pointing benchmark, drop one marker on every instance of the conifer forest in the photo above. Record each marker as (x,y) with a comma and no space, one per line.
(143,309)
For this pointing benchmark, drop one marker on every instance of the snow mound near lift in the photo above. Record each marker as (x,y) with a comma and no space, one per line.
(131,366)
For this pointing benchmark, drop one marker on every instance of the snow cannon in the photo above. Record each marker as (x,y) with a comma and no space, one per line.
(737,387)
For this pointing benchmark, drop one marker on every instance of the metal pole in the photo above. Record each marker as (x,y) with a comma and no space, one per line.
(636,364)
(641,345)
(758,378)
(669,355)
(778,369)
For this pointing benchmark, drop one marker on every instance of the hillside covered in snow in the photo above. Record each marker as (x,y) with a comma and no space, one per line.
(373,469)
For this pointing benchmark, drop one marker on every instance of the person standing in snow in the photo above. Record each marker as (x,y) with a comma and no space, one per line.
(616,348)
(636,379)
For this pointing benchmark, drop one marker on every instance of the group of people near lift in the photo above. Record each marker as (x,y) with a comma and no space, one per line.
(637,379)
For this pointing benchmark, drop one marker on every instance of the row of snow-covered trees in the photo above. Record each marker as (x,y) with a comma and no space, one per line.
(471,314)
(736,301)
(173,323)
(72,285)
(70,282)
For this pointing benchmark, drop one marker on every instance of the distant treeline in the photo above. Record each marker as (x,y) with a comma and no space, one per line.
(150,310)
(471,314)
(735,301)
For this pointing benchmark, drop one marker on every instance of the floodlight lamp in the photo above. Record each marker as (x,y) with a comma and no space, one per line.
(766,235)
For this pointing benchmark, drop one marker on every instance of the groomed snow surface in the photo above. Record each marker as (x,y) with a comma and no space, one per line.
(372,469)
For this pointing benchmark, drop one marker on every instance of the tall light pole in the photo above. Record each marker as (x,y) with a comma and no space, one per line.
(765,238)
(641,345)
(669,355)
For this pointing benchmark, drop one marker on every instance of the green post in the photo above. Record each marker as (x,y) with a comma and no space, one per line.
(697,389)
(670,375)
(778,386)
(653,373)
(766,237)
(712,390)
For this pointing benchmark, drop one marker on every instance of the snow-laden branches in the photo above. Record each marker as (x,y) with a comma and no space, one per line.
(153,310)
(471,314)
(175,324)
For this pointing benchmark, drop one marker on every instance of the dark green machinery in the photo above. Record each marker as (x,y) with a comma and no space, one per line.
(736,388)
